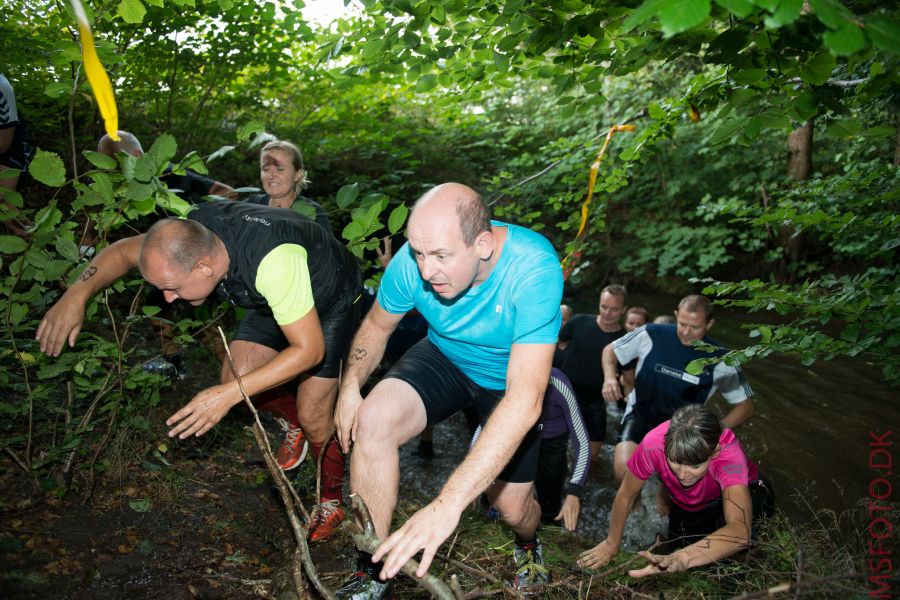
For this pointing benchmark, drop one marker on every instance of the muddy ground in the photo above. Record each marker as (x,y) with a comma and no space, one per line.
(202,519)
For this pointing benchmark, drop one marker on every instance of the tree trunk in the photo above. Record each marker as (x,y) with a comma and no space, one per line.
(799,168)
(800,148)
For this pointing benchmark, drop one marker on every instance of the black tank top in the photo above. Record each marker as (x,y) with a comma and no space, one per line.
(250,232)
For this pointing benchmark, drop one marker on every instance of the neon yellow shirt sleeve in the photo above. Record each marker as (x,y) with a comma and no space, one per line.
(283,279)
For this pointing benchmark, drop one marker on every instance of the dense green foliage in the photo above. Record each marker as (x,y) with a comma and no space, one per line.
(511,97)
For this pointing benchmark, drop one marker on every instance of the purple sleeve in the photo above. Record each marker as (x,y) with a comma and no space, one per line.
(565,397)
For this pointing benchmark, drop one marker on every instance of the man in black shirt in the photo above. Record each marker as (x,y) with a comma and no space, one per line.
(582,341)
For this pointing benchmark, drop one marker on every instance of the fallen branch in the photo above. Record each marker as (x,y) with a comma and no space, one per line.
(281,481)
(363,534)
(789,586)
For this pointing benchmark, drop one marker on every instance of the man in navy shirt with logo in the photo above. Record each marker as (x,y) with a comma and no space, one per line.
(662,383)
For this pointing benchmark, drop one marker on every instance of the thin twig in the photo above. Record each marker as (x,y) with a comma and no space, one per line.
(281,481)
(794,585)
(363,533)
(17,460)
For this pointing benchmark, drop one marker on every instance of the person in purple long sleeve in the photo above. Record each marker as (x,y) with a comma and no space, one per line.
(560,421)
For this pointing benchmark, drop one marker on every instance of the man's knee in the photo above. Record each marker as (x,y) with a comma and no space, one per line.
(517,509)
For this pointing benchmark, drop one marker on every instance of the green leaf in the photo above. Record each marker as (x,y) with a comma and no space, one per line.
(101,161)
(879,132)
(728,130)
(163,150)
(766,333)
(173,204)
(740,8)
(11,244)
(352,231)
(501,62)
(786,13)
(695,367)
(426,83)
(150,311)
(131,11)
(884,32)
(103,186)
(347,195)
(250,128)
(846,40)
(397,218)
(304,208)
(843,128)
(139,191)
(58,89)
(818,69)
(644,12)
(66,248)
(145,168)
(831,12)
(48,168)
(680,15)
(748,76)
(140,505)
(805,106)
(17,312)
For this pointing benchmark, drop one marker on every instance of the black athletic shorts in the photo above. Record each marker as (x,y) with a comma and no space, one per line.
(593,411)
(633,428)
(259,326)
(551,475)
(445,390)
(687,527)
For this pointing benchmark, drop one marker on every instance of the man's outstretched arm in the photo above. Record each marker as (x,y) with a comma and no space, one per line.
(519,409)
(64,319)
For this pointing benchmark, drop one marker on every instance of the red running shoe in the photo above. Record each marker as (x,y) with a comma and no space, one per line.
(293,449)
(325,520)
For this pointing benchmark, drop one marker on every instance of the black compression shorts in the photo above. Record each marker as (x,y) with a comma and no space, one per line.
(259,326)
(445,390)
(593,411)
(633,428)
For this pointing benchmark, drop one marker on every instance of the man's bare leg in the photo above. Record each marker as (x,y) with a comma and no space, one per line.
(391,415)
(517,506)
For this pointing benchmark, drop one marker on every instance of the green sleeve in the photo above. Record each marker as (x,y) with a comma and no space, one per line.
(283,279)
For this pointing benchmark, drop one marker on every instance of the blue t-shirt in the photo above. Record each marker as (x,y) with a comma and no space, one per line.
(517,304)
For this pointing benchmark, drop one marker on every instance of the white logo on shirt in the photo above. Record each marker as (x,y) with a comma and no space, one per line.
(498,309)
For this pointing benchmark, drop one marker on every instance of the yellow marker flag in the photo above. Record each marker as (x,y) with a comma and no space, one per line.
(592,181)
(96,74)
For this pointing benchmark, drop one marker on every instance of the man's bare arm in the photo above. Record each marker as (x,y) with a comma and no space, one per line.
(739,413)
(64,319)
(306,348)
(612,391)
(365,354)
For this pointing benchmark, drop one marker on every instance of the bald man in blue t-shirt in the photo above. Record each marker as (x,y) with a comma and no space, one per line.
(490,292)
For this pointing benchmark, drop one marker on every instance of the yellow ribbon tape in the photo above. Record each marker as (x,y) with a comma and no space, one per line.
(585,206)
(96,74)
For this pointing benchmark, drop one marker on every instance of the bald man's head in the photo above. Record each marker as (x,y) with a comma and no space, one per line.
(180,242)
(439,203)
(178,256)
(127,143)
